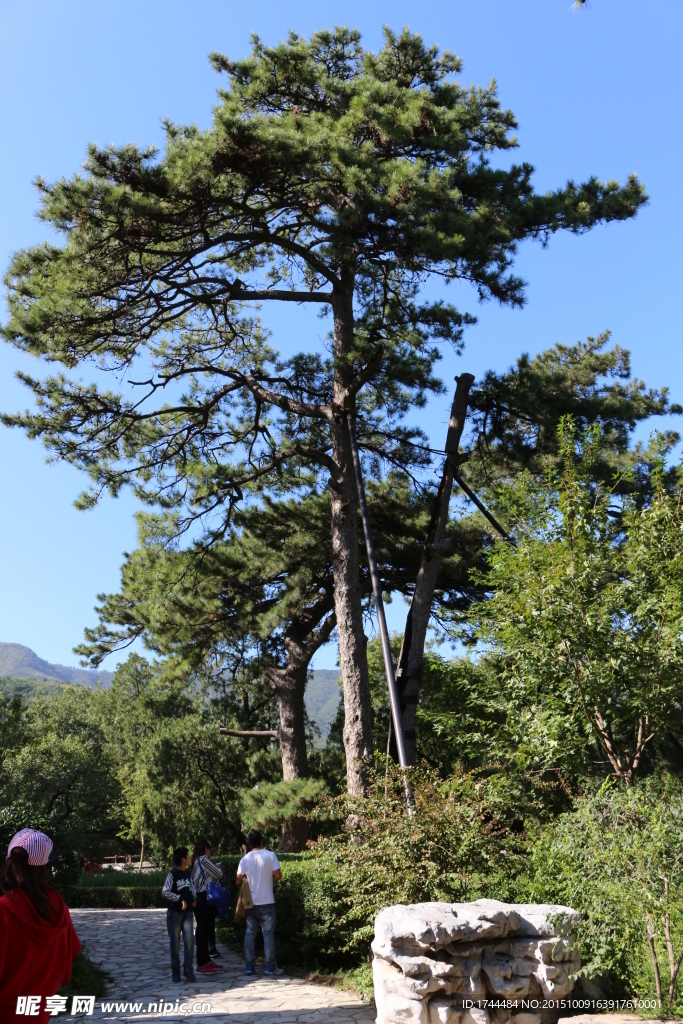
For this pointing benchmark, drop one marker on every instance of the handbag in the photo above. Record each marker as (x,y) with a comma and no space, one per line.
(244,902)
(217,896)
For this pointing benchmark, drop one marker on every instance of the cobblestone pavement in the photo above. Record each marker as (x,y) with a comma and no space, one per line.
(132,945)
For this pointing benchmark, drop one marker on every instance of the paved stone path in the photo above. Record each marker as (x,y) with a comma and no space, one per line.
(132,945)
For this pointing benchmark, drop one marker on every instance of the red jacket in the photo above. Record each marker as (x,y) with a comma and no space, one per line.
(35,954)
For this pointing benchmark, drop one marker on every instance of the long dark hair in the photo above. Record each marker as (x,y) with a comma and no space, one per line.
(200,849)
(17,873)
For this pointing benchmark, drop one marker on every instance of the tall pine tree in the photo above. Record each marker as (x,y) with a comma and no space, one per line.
(330,176)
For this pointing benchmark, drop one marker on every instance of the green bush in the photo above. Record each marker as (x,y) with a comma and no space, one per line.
(122,879)
(115,897)
(309,934)
(115,890)
(618,858)
(465,840)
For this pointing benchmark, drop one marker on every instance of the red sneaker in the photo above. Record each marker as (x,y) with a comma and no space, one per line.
(209,968)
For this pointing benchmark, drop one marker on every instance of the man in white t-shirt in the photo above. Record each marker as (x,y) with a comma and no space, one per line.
(261,868)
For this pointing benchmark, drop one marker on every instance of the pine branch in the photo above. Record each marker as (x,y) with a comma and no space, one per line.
(250,733)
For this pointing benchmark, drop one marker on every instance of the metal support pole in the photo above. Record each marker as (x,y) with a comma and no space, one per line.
(482,508)
(379,604)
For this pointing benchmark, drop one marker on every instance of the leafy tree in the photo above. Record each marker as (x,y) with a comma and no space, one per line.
(257,605)
(180,776)
(464,717)
(514,420)
(135,801)
(467,720)
(60,775)
(332,176)
(587,609)
(516,414)
(196,776)
(11,723)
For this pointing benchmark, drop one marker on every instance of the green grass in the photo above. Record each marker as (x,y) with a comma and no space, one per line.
(87,979)
(356,979)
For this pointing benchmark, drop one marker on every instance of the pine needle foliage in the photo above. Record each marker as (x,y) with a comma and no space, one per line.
(329,173)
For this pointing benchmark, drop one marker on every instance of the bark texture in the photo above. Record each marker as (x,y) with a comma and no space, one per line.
(289,689)
(409,671)
(303,637)
(294,835)
(289,686)
(347,588)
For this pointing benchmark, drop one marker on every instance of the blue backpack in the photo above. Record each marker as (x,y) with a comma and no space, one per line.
(216,895)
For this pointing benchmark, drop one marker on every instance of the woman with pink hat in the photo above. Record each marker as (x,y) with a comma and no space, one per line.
(37,938)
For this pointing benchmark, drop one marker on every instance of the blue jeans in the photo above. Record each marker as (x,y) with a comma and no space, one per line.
(177,922)
(263,916)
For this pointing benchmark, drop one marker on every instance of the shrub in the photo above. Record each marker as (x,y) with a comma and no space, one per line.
(115,897)
(116,890)
(466,839)
(307,900)
(618,858)
(122,879)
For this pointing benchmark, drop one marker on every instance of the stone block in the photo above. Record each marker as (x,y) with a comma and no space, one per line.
(432,961)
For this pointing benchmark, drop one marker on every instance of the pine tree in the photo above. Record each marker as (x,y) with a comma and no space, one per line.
(260,603)
(332,176)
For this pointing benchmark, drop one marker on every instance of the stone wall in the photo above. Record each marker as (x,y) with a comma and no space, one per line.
(436,963)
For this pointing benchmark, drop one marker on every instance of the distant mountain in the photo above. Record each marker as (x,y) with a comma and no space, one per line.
(323,693)
(21,662)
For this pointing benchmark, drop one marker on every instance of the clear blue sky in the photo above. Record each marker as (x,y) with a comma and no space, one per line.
(597,92)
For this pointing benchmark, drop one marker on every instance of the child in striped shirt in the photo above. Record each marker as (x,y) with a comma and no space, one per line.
(203,871)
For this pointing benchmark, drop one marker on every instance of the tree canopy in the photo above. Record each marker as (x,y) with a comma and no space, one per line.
(330,175)
(586,609)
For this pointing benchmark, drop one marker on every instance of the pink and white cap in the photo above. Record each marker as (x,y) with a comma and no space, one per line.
(37,845)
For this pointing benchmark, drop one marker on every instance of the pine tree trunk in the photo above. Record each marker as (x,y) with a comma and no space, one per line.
(409,672)
(347,592)
(294,835)
(304,635)
(289,686)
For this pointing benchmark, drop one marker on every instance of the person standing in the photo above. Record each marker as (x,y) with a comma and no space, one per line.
(261,868)
(203,871)
(37,939)
(177,892)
